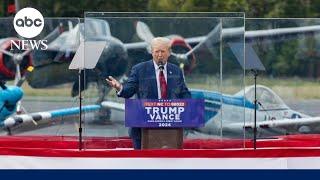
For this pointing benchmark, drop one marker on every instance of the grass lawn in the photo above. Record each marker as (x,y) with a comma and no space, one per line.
(286,88)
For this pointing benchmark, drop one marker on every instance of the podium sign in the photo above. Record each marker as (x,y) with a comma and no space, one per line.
(164,113)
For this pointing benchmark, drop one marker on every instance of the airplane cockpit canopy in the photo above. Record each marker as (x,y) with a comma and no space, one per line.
(267,99)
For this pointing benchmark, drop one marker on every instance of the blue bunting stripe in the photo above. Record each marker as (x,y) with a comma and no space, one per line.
(19,119)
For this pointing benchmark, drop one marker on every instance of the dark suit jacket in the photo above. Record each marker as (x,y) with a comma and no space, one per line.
(143,82)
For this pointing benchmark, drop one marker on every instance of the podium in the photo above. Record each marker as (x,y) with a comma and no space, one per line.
(161,138)
(162,121)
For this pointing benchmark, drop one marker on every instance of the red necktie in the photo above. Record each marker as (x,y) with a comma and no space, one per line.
(163,85)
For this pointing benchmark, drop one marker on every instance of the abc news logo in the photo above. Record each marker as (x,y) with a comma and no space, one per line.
(28,23)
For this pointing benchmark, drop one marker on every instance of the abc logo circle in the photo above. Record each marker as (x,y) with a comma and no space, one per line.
(28,22)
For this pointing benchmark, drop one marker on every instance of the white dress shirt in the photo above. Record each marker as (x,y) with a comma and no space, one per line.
(157,71)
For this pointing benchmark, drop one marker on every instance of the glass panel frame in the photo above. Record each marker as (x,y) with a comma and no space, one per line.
(213,89)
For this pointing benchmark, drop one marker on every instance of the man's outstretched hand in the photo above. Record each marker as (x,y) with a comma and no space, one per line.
(114,83)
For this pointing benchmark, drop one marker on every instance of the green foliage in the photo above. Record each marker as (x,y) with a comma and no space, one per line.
(76,8)
(252,8)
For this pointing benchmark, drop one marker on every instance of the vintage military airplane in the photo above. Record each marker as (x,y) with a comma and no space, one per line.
(113,60)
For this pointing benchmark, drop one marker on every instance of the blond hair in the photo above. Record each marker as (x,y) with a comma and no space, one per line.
(161,40)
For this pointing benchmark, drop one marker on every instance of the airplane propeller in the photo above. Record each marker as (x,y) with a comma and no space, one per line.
(20,108)
(17,59)
(6,52)
(144,33)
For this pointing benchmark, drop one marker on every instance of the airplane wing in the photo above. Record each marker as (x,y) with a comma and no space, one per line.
(136,45)
(40,116)
(113,105)
(283,32)
(258,34)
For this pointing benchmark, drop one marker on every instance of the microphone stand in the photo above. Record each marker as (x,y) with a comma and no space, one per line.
(80,111)
(255,74)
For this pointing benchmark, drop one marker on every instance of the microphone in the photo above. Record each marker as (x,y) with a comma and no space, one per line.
(161,67)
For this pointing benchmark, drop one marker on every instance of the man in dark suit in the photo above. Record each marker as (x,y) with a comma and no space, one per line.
(154,79)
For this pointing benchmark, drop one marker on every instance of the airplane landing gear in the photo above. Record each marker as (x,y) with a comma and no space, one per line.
(103,115)
(9,131)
